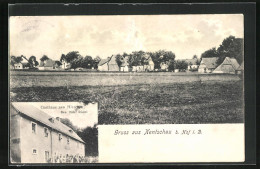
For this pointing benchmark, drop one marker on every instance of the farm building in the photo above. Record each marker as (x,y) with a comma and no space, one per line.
(164,66)
(36,137)
(65,65)
(150,65)
(47,65)
(103,64)
(229,65)
(208,65)
(108,64)
(192,64)
(240,69)
(125,65)
(139,68)
(112,64)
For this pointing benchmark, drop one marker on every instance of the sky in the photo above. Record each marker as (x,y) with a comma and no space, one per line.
(103,36)
(88,118)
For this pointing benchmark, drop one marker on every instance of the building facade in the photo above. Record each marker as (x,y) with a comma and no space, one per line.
(36,137)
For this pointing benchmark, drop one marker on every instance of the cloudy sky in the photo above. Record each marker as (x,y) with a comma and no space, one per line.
(185,35)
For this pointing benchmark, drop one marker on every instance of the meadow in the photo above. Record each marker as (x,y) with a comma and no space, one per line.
(139,98)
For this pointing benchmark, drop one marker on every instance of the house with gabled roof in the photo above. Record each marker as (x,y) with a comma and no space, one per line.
(208,65)
(36,137)
(229,65)
(108,64)
(124,67)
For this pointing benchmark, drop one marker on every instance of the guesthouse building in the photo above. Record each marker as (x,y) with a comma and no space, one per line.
(36,137)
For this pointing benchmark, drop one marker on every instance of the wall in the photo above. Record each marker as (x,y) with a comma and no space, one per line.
(32,141)
(103,67)
(15,149)
(41,143)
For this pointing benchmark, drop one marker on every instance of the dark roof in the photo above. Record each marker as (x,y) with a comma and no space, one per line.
(211,63)
(103,61)
(48,63)
(38,115)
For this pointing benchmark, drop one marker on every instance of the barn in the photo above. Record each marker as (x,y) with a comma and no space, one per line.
(103,64)
(229,65)
(208,65)
(112,64)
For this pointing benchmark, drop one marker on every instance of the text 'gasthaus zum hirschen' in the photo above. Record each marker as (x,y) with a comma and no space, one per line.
(158,132)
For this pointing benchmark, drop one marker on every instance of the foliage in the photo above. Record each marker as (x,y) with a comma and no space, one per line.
(44,57)
(230,47)
(90,136)
(33,62)
(71,56)
(181,65)
(96,60)
(119,59)
(162,56)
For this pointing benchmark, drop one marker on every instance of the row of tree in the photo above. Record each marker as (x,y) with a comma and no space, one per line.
(76,60)
(230,47)
(31,62)
(139,58)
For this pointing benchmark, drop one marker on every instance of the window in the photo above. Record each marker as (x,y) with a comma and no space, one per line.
(60,137)
(68,140)
(34,151)
(33,127)
(46,132)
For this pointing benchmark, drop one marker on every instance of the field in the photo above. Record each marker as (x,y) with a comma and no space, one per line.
(139,98)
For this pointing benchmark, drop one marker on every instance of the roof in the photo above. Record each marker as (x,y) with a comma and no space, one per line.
(192,61)
(241,67)
(38,115)
(112,60)
(103,61)
(229,61)
(47,63)
(210,62)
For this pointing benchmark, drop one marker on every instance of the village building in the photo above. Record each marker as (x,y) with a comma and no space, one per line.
(65,65)
(103,64)
(208,65)
(47,65)
(150,65)
(125,65)
(36,137)
(192,64)
(139,68)
(229,65)
(108,64)
(164,66)
(240,69)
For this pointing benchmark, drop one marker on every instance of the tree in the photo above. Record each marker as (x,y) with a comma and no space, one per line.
(68,123)
(210,53)
(44,57)
(96,60)
(33,62)
(71,56)
(231,47)
(162,56)
(195,57)
(87,62)
(119,59)
(63,58)
(181,65)
(90,136)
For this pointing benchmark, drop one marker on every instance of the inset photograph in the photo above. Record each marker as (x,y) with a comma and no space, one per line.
(53,132)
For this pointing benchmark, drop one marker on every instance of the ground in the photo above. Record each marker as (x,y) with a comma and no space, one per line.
(164,102)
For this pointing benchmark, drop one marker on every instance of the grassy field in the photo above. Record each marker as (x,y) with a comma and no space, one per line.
(163,102)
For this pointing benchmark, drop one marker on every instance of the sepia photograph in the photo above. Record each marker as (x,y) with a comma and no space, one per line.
(140,69)
(53,132)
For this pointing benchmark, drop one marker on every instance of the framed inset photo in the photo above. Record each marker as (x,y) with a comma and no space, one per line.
(131,84)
